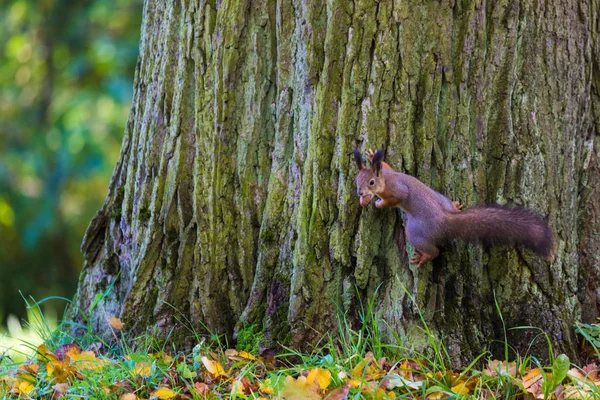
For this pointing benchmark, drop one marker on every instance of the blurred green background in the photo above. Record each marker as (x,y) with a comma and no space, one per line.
(66,76)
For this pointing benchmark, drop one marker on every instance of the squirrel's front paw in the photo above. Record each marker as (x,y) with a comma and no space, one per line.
(379,203)
(457,205)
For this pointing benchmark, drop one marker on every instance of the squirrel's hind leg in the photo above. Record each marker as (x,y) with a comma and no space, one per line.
(421,257)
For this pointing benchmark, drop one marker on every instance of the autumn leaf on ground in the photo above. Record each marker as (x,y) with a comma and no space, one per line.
(397,381)
(368,369)
(128,396)
(59,371)
(142,369)
(164,394)
(213,367)
(500,368)
(532,383)
(319,375)
(587,374)
(202,388)
(67,350)
(43,354)
(460,388)
(300,389)
(22,387)
(60,390)
(115,323)
(339,393)
(244,386)
(86,361)
(374,390)
(162,356)
(266,387)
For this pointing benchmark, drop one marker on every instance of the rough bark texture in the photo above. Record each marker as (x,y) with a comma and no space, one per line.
(234,202)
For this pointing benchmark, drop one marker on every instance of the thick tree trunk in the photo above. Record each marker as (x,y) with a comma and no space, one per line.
(234,199)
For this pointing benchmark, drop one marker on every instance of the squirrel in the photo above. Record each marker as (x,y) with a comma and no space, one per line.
(432,218)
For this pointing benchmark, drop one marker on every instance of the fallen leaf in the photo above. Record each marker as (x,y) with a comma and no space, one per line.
(86,361)
(247,355)
(460,389)
(339,393)
(532,382)
(247,386)
(300,389)
(201,388)
(142,369)
(319,375)
(354,383)
(24,387)
(60,390)
(214,368)
(395,381)
(67,350)
(43,354)
(128,396)
(500,368)
(368,369)
(164,394)
(265,387)
(59,371)
(115,323)
(231,353)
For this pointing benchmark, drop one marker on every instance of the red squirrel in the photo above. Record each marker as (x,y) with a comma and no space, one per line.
(432,218)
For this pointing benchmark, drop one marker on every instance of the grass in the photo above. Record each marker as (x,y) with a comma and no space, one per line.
(353,364)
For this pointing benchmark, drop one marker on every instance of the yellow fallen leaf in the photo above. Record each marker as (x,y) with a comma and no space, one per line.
(367,369)
(435,395)
(115,323)
(164,394)
(246,355)
(86,361)
(25,387)
(319,375)
(59,371)
(354,383)
(460,389)
(214,368)
(128,396)
(30,369)
(300,389)
(43,354)
(266,387)
(161,355)
(142,369)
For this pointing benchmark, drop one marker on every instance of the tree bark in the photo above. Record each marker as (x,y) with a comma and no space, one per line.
(234,203)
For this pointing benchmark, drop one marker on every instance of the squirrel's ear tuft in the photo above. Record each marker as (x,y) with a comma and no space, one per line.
(358,159)
(377,159)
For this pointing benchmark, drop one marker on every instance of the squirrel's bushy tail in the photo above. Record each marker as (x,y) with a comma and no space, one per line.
(506,225)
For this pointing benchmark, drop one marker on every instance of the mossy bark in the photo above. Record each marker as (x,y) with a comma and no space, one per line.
(233,201)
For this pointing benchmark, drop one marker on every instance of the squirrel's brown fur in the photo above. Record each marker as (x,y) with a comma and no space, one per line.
(432,218)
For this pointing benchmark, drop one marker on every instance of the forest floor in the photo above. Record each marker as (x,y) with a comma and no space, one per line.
(351,365)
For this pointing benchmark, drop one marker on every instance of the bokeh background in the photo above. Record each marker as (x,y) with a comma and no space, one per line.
(66,74)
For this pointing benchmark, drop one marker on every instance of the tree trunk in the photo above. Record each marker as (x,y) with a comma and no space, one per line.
(234,202)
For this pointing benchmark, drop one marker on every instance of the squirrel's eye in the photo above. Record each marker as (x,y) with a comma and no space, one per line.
(372,182)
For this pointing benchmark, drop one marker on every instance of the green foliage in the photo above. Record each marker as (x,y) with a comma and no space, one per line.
(591,334)
(249,338)
(66,71)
